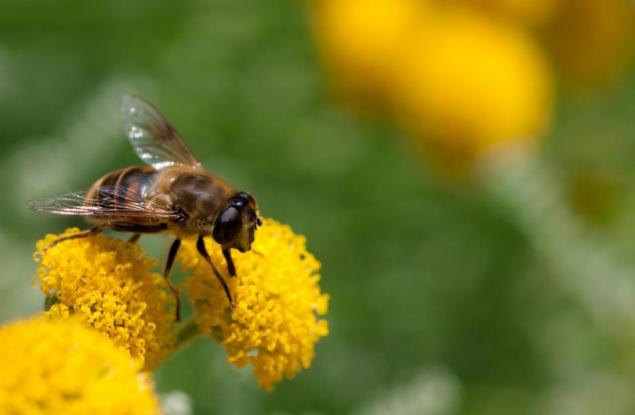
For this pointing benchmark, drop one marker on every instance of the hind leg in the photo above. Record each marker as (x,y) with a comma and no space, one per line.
(83,234)
(134,238)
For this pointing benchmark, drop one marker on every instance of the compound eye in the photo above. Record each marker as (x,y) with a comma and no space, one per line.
(228,226)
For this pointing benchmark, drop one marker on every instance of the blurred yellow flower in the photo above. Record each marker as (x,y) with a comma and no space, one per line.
(60,367)
(462,80)
(471,84)
(109,285)
(275,323)
(593,40)
(358,41)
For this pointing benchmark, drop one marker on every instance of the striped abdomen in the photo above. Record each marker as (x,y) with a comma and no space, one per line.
(125,190)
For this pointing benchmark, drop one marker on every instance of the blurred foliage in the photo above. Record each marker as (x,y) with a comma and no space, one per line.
(432,288)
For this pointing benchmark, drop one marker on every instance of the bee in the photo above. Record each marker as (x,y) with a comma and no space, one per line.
(172,193)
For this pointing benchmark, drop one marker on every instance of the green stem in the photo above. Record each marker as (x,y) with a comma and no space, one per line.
(50,300)
(186,333)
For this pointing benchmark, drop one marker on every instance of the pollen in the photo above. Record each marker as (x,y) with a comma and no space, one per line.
(276,321)
(61,367)
(109,285)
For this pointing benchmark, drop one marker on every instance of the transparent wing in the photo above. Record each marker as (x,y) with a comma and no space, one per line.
(154,140)
(104,202)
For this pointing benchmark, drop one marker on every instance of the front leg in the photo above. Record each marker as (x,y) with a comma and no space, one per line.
(230,263)
(200,246)
(166,274)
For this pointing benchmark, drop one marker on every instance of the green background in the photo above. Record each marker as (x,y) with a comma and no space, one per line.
(443,300)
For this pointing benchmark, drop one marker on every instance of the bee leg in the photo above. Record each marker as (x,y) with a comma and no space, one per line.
(230,263)
(82,234)
(134,238)
(200,245)
(166,274)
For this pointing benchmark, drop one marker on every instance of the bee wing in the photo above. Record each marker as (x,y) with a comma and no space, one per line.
(103,203)
(153,138)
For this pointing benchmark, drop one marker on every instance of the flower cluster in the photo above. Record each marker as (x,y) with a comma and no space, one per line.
(275,323)
(109,285)
(467,77)
(52,367)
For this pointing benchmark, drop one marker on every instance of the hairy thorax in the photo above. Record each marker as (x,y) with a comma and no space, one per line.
(198,195)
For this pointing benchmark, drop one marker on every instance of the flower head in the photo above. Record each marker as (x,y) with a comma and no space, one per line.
(60,367)
(477,85)
(275,324)
(460,81)
(109,285)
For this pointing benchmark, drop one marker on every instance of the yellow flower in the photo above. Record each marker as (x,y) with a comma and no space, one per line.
(109,285)
(462,81)
(60,367)
(471,84)
(275,324)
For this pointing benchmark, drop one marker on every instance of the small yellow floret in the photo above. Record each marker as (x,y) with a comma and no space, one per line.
(60,367)
(275,323)
(110,285)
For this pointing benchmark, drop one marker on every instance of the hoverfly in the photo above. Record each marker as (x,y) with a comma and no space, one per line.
(172,193)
